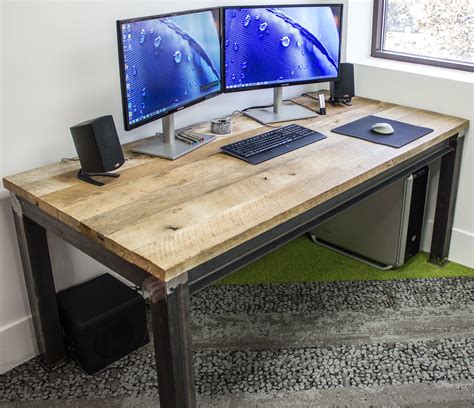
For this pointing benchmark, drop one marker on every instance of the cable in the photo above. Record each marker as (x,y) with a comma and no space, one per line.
(263,124)
(66,159)
(304,106)
(75,159)
(311,96)
(256,107)
(271,126)
(266,106)
(242,112)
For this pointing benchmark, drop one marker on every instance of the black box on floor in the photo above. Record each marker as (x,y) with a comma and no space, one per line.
(103,320)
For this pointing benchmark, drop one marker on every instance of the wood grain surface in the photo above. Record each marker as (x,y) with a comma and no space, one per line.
(169,216)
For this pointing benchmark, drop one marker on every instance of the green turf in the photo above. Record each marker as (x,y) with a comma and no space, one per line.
(303,261)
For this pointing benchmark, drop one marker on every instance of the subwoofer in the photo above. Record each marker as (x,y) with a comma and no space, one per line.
(102,320)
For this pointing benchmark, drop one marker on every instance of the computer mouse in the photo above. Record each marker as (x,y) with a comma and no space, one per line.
(383,128)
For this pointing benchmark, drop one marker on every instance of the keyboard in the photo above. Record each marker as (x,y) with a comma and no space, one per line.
(268,145)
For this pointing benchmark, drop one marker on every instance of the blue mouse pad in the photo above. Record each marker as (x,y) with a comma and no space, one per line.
(404,133)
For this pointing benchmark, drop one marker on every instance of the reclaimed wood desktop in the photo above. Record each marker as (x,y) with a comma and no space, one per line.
(174,227)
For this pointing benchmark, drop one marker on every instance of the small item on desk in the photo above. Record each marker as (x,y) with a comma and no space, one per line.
(192,138)
(195,136)
(322,105)
(185,139)
(221,126)
(383,128)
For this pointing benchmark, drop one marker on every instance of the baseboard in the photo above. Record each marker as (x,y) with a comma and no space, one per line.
(462,245)
(462,248)
(18,343)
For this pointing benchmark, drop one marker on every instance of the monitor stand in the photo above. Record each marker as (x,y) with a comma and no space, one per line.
(169,147)
(279,112)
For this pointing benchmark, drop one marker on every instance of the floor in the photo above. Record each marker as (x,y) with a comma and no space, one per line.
(302,261)
(385,343)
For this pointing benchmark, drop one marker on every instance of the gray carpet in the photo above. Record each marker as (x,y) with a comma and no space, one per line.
(401,343)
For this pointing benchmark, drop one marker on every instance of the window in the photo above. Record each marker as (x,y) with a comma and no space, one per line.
(431,32)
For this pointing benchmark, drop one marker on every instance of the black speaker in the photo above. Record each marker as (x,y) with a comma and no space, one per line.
(98,147)
(342,90)
(102,320)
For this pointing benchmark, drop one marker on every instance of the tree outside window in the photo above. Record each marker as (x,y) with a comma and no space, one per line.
(436,32)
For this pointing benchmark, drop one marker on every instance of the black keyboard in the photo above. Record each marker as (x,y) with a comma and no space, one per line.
(266,146)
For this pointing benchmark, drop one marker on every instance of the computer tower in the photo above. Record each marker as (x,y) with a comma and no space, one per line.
(102,320)
(384,230)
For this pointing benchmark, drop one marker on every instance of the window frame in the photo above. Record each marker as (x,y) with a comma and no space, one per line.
(378,52)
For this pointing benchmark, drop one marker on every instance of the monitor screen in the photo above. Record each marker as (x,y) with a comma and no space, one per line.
(168,63)
(277,46)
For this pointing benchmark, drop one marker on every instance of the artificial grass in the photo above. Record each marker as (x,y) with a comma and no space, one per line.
(303,261)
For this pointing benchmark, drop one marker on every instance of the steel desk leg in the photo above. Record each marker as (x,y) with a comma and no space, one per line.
(39,280)
(446,202)
(172,341)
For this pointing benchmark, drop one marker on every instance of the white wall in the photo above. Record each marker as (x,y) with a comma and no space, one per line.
(59,67)
(437,89)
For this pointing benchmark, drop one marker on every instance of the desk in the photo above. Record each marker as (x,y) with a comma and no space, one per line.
(174,227)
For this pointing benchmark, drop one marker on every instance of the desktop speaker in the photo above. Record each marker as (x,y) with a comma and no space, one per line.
(102,320)
(342,90)
(98,147)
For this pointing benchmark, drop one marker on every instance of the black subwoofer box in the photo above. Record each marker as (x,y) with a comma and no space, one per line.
(103,320)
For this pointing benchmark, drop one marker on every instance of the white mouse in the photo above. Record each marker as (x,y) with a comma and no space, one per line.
(383,128)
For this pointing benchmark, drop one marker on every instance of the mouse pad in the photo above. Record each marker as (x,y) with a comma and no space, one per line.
(404,132)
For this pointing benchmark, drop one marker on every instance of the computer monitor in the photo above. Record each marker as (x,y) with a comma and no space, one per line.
(273,47)
(167,63)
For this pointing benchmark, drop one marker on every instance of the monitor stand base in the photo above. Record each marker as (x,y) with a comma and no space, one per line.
(279,112)
(286,113)
(169,147)
(170,151)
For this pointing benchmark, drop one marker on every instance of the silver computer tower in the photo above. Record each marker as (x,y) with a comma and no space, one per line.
(384,230)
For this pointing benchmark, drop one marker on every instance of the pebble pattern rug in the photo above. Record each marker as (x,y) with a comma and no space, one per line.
(254,344)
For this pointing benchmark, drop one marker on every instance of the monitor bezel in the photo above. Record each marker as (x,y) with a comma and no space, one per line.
(285,84)
(123,85)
